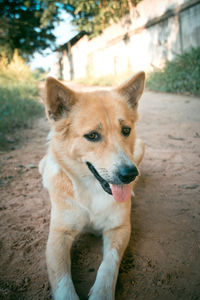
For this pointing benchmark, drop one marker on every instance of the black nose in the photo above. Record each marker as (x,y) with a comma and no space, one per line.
(127,173)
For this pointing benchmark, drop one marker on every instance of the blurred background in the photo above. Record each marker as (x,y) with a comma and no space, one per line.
(94,42)
(102,43)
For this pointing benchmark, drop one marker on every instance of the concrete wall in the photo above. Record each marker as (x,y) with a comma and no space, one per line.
(190,27)
(154,31)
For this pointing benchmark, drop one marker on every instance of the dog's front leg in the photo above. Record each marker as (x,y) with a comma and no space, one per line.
(115,242)
(59,264)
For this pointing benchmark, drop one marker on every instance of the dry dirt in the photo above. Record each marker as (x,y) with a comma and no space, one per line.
(162,261)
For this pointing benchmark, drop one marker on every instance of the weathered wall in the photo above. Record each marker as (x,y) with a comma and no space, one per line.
(155,31)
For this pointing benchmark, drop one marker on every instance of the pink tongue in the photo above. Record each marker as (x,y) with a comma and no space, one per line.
(121,193)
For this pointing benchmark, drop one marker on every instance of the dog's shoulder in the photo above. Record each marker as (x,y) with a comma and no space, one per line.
(54,178)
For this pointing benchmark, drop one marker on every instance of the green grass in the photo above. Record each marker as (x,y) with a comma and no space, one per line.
(18,100)
(108,80)
(181,75)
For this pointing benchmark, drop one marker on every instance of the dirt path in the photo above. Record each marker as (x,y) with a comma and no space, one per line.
(162,261)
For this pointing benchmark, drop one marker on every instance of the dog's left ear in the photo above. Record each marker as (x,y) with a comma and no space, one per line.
(132,89)
(59,99)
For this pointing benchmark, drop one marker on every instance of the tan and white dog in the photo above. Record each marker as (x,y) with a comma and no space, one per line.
(89,170)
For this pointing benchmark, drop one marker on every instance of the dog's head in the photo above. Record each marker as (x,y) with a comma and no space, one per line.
(97,130)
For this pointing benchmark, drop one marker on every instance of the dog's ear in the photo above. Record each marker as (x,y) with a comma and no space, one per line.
(132,89)
(59,99)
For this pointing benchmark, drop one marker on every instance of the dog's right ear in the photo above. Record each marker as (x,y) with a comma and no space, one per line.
(59,99)
(133,89)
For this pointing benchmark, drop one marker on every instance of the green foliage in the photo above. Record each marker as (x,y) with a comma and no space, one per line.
(28,25)
(39,74)
(22,26)
(18,94)
(94,16)
(181,75)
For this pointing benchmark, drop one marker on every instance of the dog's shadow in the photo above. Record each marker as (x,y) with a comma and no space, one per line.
(87,254)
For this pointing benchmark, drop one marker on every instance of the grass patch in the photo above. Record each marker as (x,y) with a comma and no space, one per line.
(18,100)
(107,80)
(181,75)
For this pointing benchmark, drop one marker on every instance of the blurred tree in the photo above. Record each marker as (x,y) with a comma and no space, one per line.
(22,27)
(27,25)
(93,16)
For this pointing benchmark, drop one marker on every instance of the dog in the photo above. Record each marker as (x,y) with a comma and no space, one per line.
(89,171)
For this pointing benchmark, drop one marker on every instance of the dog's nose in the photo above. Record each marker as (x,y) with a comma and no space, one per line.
(127,173)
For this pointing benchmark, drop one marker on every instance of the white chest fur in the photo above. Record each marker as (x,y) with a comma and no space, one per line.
(103,211)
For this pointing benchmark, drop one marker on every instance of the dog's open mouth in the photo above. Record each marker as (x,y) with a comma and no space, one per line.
(121,193)
(105,185)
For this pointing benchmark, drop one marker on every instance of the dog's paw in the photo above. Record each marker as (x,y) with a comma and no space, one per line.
(100,294)
(65,290)
(66,295)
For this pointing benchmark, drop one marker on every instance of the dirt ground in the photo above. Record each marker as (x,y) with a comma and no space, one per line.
(162,261)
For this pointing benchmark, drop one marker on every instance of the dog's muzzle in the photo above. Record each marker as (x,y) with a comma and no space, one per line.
(124,175)
(105,185)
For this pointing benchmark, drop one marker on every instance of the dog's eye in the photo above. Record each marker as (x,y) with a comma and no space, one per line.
(126,131)
(93,136)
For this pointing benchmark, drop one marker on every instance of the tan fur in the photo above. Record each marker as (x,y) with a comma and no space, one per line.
(78,201)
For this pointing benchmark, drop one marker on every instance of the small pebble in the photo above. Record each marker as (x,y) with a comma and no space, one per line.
(91,270)
(132,282)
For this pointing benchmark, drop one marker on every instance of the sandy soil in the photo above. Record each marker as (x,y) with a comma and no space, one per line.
(162,261)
